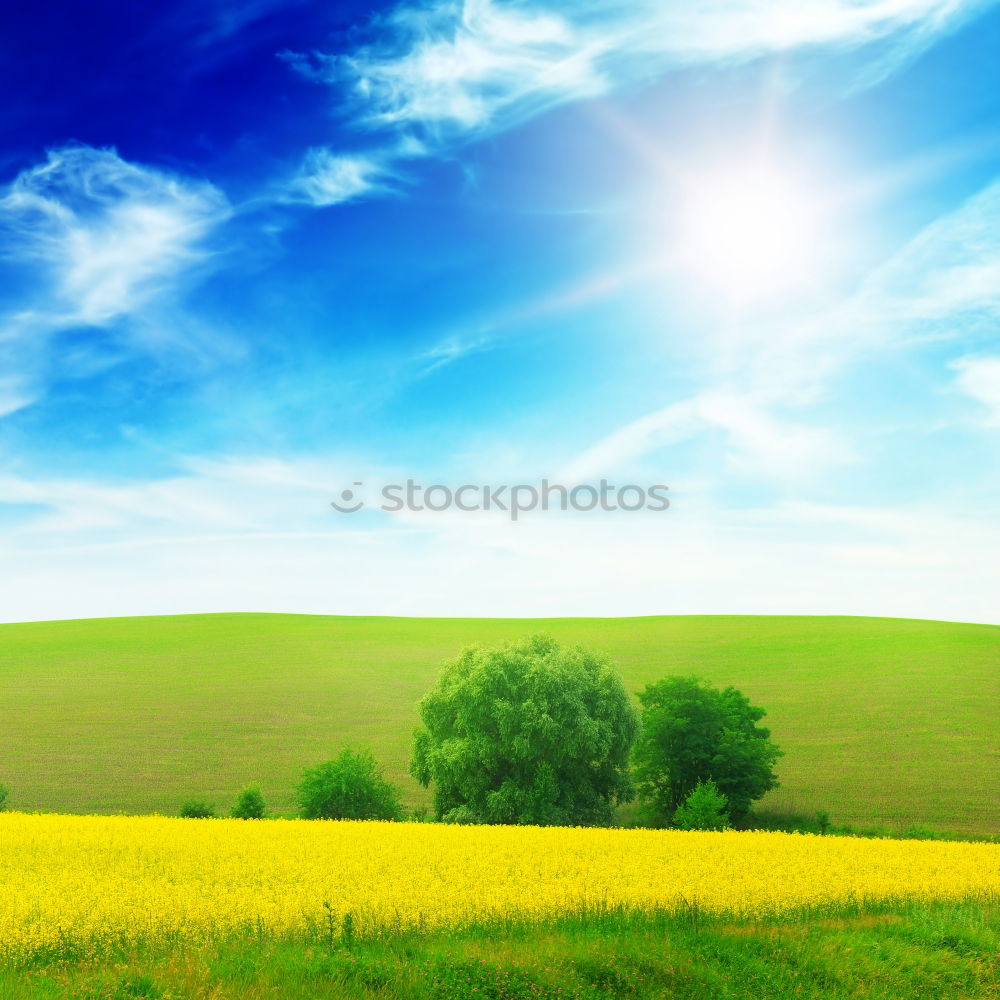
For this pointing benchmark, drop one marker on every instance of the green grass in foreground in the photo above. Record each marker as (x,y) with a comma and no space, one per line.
(885,723)
(903,952)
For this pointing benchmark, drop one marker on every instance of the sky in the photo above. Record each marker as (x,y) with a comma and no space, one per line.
(261,258)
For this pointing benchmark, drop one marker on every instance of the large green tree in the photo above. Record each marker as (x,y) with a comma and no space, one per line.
(692,733)
(526,733)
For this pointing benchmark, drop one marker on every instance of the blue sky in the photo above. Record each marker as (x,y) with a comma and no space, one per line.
(252,254)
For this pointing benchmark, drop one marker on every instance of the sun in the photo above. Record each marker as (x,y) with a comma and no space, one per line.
(751,232)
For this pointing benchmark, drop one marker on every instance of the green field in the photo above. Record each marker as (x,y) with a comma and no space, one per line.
(934,951)
(884,722)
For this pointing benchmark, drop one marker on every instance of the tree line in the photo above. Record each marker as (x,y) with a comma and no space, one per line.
(535,733)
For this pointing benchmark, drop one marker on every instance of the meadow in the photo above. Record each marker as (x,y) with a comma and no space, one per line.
(937,951)
(119,907)
(884,722)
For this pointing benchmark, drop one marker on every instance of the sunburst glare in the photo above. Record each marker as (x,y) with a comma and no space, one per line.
(751,232)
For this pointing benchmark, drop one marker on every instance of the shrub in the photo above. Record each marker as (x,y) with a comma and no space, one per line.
(249,804)
(4,795)
(823,821)
(527,733)
(193,809)
(917,832)
(704,809)
(351,786)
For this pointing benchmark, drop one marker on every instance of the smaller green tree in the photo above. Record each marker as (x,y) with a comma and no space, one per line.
(196,809)
(4,795)
(249,804)
(704,809)
(692,732)
(352,786)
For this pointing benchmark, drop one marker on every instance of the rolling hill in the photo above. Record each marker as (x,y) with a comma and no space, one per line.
(883,721)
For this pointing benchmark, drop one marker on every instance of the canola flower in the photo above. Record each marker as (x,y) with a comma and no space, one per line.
(86,883)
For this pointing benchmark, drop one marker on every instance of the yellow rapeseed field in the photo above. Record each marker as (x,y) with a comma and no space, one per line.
(80,883)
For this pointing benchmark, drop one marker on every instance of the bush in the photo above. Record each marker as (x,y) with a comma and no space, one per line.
(704,809)
(352,786)
(249,804)
(4,795)
(528,733)
(193,809)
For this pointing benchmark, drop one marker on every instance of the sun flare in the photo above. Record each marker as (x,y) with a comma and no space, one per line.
(751,232)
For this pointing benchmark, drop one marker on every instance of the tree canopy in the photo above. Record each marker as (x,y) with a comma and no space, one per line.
(692,733)
(526,733)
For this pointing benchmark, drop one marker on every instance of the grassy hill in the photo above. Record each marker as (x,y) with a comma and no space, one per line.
(883,721)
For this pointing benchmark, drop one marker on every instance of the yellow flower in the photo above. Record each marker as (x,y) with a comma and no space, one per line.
(90,881)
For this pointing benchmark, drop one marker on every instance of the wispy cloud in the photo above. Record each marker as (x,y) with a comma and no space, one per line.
(760,443)
(15,393)
(443,72)
(108,234)
(461,67)
(797,558)
(942,288)
(96,240)
(232,495)
(329,178)
(979,379)
(950,271)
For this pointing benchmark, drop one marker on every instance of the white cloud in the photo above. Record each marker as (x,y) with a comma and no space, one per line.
(328,178)
(979,378)
(15,393)
(790,560)
(100,240)
(447,70)
(942,286)
(950,271)
(462,66)
(718,29)
(759,444)
(109,234)
(257,534)
(205,495)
